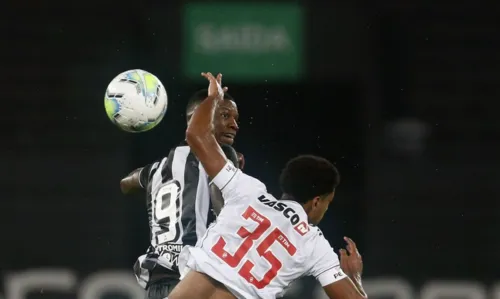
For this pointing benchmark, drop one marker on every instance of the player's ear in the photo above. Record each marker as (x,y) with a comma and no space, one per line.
(315,201)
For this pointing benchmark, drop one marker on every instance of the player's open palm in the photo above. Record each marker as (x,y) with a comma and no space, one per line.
(350,259)
(215,86)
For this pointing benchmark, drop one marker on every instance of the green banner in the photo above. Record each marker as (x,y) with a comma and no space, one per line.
(244,41)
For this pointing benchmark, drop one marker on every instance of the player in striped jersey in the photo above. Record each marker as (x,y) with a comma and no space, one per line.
(180,203)
(259,245)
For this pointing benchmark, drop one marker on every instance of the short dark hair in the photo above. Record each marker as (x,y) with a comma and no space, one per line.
(197,98)
(307,176)
(230,153)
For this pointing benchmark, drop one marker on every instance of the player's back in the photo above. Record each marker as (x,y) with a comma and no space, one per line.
(259,245)
(267,242)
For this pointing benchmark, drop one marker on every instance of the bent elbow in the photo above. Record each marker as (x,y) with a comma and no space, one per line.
(124,186)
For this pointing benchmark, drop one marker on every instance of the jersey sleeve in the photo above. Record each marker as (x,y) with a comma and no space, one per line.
(146,172)
(234,184)
(325,264)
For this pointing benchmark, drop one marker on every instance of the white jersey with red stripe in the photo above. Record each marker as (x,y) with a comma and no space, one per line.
(259,245)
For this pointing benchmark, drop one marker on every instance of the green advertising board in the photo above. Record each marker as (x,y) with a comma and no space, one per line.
(244,41)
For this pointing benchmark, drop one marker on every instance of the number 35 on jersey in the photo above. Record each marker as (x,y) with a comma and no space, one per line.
(263,248)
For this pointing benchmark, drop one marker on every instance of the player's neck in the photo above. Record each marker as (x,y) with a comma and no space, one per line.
(285,196)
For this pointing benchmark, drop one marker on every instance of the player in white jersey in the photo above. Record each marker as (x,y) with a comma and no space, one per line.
(180,203)
(259,245)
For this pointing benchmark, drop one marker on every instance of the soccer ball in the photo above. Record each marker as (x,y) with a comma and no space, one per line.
(135,101)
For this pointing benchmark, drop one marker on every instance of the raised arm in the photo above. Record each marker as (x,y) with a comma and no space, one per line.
(199,134)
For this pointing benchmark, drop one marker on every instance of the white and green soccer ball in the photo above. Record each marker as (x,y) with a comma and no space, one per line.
(136,101)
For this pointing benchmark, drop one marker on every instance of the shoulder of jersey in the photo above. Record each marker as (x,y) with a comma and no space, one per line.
(316,229)
(257,185)
(159,160)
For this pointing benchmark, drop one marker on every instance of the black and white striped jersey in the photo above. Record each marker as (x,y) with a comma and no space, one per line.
(179,210)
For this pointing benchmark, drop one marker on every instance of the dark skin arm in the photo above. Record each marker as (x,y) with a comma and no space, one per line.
(131,182)
(343,289)
(199,134)
(352,265)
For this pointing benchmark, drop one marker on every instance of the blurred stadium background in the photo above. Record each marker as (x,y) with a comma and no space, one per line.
(401,95)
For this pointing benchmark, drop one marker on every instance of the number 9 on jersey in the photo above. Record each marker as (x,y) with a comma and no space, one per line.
(165,211)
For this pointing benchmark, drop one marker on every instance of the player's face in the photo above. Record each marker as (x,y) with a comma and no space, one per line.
(319,207)
(226,122)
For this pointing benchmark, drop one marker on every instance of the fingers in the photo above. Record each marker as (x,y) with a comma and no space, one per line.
(215,83)
(351,246)
(343,256)
(209,76)
(219,80)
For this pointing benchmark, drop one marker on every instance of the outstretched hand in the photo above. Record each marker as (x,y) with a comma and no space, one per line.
(215,88)
(350,259)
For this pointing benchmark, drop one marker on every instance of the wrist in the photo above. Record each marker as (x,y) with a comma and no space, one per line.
(217,97)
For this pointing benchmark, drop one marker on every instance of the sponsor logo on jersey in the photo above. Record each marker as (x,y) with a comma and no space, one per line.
(302,228)
(285,210)
(230,167)
(338,275)
(169,253)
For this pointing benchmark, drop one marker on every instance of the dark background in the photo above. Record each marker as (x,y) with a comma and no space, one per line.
(401,96)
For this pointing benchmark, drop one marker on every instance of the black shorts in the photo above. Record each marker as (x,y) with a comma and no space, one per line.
(161,288)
